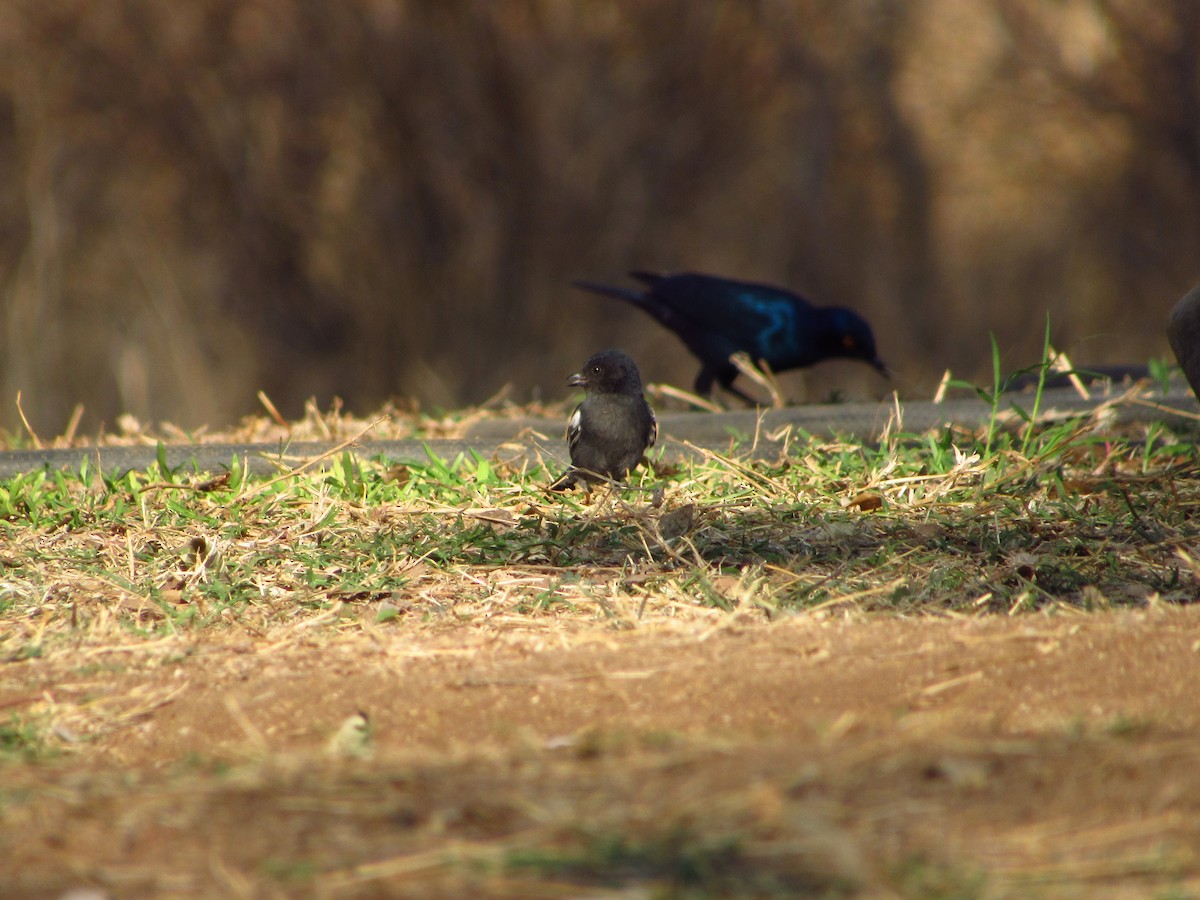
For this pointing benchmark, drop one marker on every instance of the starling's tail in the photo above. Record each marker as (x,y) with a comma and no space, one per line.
(645,277)
(629,295)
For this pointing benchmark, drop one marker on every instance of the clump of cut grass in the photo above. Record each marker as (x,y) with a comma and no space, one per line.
(677,859)
(920,877)
(22,739)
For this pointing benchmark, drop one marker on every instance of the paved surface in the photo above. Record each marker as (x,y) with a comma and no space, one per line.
(680,434)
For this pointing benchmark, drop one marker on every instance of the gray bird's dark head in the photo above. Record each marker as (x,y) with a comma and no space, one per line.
(608,372)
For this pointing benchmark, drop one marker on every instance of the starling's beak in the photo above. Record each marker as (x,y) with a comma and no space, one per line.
(577,380)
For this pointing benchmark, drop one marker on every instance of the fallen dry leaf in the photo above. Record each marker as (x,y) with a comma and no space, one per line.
(866,502)
(677,522)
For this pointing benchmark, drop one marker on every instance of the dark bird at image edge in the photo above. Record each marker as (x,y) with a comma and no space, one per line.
(612,428)
(718,317)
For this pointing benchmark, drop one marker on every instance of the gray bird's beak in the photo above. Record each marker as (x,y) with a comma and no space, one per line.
(577,380)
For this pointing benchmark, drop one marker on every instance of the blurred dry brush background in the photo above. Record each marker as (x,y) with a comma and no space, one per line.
(378,198)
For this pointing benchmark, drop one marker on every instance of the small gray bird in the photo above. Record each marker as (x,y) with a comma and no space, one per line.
(614,425)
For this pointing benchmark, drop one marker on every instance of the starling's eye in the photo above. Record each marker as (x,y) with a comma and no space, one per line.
(848,342)
(595,370)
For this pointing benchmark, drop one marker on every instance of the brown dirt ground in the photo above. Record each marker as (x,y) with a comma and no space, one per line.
(834,754)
